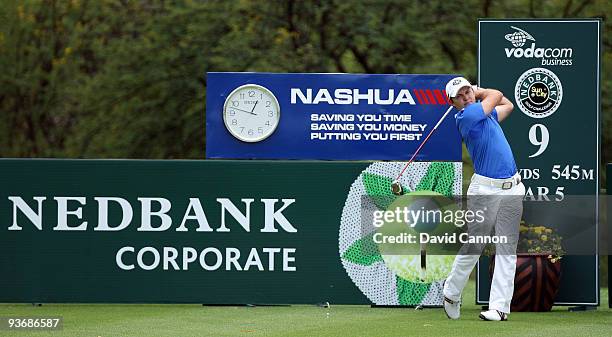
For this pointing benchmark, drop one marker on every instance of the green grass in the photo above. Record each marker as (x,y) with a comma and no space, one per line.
(108,320)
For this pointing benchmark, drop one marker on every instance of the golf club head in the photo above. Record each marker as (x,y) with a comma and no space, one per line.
(396,188)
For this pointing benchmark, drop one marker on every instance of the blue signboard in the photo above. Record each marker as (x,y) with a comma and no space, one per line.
(328,116)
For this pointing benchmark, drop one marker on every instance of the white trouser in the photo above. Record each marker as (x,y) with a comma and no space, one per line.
(503,209)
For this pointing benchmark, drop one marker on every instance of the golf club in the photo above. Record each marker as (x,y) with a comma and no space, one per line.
(396,187)
(423,261)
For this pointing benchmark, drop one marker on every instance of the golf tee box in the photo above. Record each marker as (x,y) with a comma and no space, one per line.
(328,116)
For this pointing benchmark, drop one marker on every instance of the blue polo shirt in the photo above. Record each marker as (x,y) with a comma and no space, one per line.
(485,141)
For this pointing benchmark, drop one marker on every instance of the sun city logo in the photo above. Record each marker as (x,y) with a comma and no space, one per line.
(371,96)
(538,92)
(549,56)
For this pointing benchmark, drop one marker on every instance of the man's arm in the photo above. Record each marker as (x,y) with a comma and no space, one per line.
(490,98)
(504,109)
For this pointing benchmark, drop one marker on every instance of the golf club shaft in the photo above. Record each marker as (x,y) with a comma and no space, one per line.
(423,260)
(424,141)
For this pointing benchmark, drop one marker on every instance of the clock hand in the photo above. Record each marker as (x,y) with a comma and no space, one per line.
(249,112)
(254,106)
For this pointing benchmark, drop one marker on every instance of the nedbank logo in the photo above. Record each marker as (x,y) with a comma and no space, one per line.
(72,208)
(538,92)
(549,56)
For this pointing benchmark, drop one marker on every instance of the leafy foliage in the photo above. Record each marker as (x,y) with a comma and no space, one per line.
(126,79)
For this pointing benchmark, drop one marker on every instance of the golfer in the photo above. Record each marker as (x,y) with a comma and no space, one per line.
(495,189)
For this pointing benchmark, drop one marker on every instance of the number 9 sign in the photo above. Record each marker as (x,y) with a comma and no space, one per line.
(541,141)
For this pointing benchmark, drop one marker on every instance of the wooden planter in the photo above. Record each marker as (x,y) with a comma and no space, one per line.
(536,282)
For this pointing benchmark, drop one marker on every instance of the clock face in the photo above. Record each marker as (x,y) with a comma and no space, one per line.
(251,113)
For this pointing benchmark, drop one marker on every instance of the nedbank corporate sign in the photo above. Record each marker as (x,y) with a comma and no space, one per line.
(181,258)
(180,231)
(207,231)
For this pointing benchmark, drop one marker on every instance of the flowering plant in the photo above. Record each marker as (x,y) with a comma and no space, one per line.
(536,240)
(540,240)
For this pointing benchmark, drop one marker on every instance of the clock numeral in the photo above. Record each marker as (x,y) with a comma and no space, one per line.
(242,95)
(251,93)
(260,130)
(242,129)
(250,132)
(234,122)
(235,103)
(268,123)
(268,103)
(261,95)
(232,112)
(270,113)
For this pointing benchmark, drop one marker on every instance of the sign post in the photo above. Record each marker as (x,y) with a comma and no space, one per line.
(552,78)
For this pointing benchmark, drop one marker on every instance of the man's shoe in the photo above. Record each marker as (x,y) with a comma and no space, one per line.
(493,315)
(452,309)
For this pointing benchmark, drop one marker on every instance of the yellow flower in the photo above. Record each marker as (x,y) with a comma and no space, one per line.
(544,237)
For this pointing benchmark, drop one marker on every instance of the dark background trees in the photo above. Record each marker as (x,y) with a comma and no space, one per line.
(126,79)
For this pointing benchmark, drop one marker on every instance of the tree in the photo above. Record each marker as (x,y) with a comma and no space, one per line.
(126,79)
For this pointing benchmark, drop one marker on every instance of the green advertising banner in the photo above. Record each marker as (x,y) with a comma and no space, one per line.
(216,232)
(609,210)
(549,69)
